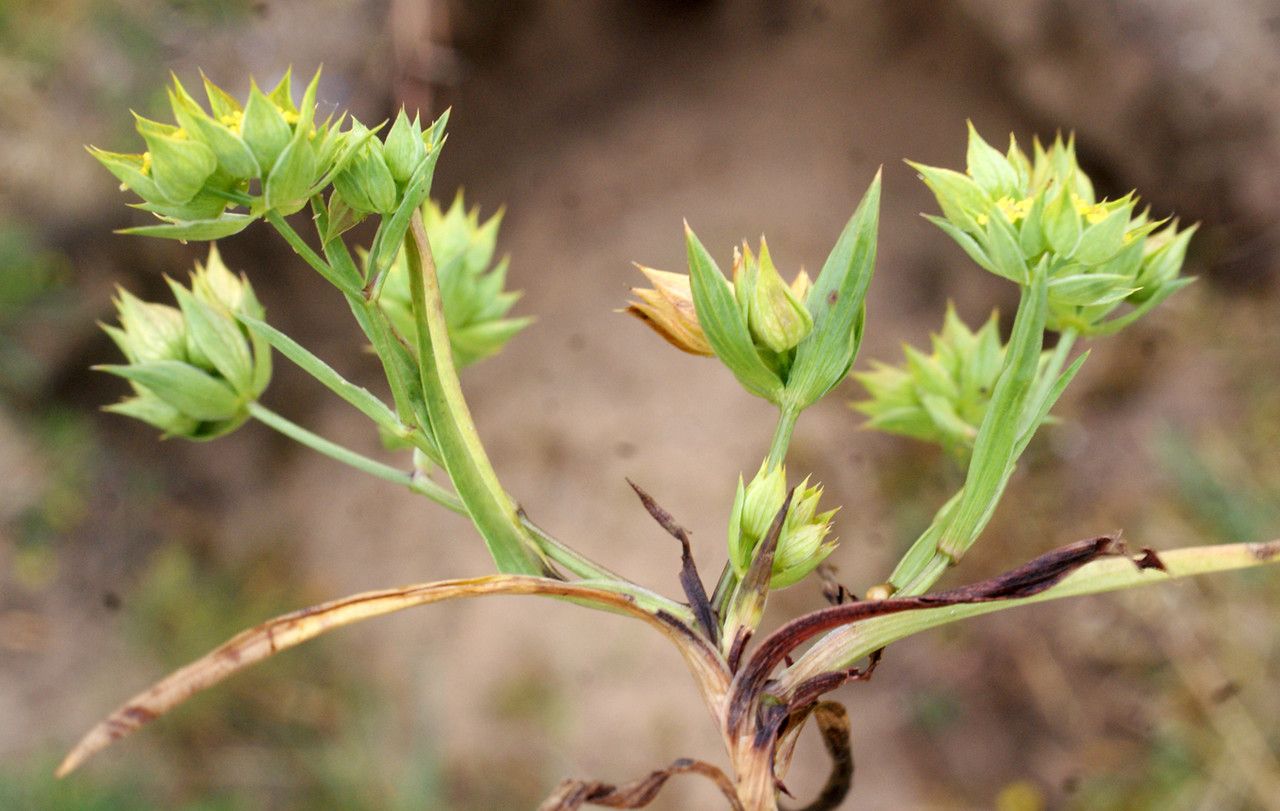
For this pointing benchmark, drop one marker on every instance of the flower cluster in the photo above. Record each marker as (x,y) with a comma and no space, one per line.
(471,286)
(267,154)
(940,397)
(1012,213)
(194,368)
(803,543)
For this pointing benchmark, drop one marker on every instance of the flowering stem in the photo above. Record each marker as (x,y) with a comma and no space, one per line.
(417,483)
(787,417)
(301,248)
(554,549)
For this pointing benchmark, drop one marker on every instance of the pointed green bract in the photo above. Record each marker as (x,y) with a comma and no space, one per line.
(476,306)
(724,325)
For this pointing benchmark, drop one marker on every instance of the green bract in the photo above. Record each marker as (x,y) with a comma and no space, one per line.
(1010,212)
(475,303)
(194,369)
(803,543)
(941,397)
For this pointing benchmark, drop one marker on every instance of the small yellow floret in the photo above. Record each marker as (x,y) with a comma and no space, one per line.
(232,120)
(1093,213)
(146,163)
(1015,210)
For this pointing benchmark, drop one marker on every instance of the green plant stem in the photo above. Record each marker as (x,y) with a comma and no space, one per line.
(491,509)
(787,417)
(417,483)
(301,248)
(844,647)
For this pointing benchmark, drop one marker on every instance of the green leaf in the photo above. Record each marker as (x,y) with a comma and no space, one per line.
(1090,289)
(199,230)
(995,448)
(233,154)
(1105,239)
(290,182)
(392,231)
(128,169)
(968,243)
(404,148)
(723,324)
(192,392)
(490,507)
(836,302)
(1004,249)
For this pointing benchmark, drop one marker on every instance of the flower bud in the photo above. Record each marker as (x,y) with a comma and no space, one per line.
(366,184)
(471,287)
(803,542)
(775,315)
(404,148)
(193,369)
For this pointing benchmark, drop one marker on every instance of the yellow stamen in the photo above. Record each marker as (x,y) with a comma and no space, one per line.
(1015,210)
(232,120)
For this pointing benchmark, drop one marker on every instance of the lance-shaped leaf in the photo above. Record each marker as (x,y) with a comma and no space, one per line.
(836,301)
(281,633)
(194,230)
(860,636)
(994,448)
(491,509)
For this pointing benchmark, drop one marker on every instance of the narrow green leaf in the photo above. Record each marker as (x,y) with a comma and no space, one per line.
(994,449)
(988,168)
(824,357)
(198,230)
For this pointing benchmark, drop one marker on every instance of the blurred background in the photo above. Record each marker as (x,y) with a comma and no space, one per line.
(599,124)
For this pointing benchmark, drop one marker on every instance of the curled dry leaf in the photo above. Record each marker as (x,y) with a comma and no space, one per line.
(572,794)
(292,629)
(833,724)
